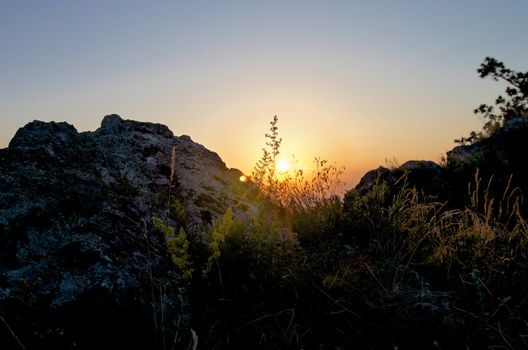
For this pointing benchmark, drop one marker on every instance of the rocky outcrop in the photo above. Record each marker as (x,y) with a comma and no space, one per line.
(502,154)
(81,265)
(427,176)
(496,159)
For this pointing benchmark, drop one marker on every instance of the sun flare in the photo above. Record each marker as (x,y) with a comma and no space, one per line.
(282,166)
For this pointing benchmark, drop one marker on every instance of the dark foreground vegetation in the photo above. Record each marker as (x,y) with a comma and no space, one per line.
(422,257)
(417,256)
(382,270)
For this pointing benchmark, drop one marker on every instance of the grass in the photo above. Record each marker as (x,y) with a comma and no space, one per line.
(382,270)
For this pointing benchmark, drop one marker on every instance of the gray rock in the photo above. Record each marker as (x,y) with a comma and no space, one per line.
(78,252)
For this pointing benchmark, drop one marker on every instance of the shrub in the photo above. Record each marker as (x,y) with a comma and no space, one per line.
(177,246)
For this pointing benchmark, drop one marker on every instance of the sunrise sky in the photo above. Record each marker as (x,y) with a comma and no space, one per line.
(355,82)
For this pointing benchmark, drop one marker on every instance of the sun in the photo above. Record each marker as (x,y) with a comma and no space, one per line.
(282,166)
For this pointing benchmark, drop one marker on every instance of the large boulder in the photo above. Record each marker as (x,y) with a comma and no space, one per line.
(81,264)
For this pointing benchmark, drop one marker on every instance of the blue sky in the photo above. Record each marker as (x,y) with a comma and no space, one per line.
(355,82)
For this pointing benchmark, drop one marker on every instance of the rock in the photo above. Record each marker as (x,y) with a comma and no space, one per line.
(504,151)
(372,177)
(429,178)
(411,165)
(500,156)
(81,264)
(496,159)
(426,176)
(38,134)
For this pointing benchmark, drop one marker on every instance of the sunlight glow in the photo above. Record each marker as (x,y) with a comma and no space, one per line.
(243,178)
(282,166)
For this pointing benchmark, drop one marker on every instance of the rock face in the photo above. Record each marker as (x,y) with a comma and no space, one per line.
(498,157)
(81,265)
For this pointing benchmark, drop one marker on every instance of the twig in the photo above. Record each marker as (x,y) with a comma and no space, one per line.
(503,336)
(256,320)
(194,340)
(376,278)
(13,333)
(176,333)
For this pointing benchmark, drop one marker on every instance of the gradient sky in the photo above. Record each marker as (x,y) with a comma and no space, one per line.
(355,82)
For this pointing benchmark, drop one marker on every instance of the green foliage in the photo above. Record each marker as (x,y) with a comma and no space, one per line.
(515,103)
(165,229)
(178,214)
(249,255)
(177,246)
(254,246)
(179,250)
(218,234)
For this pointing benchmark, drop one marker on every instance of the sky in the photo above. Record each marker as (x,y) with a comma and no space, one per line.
(353,82)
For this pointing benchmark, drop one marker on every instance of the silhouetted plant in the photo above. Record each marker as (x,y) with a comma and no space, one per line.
(515,103)
(292,190)
(263,174)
